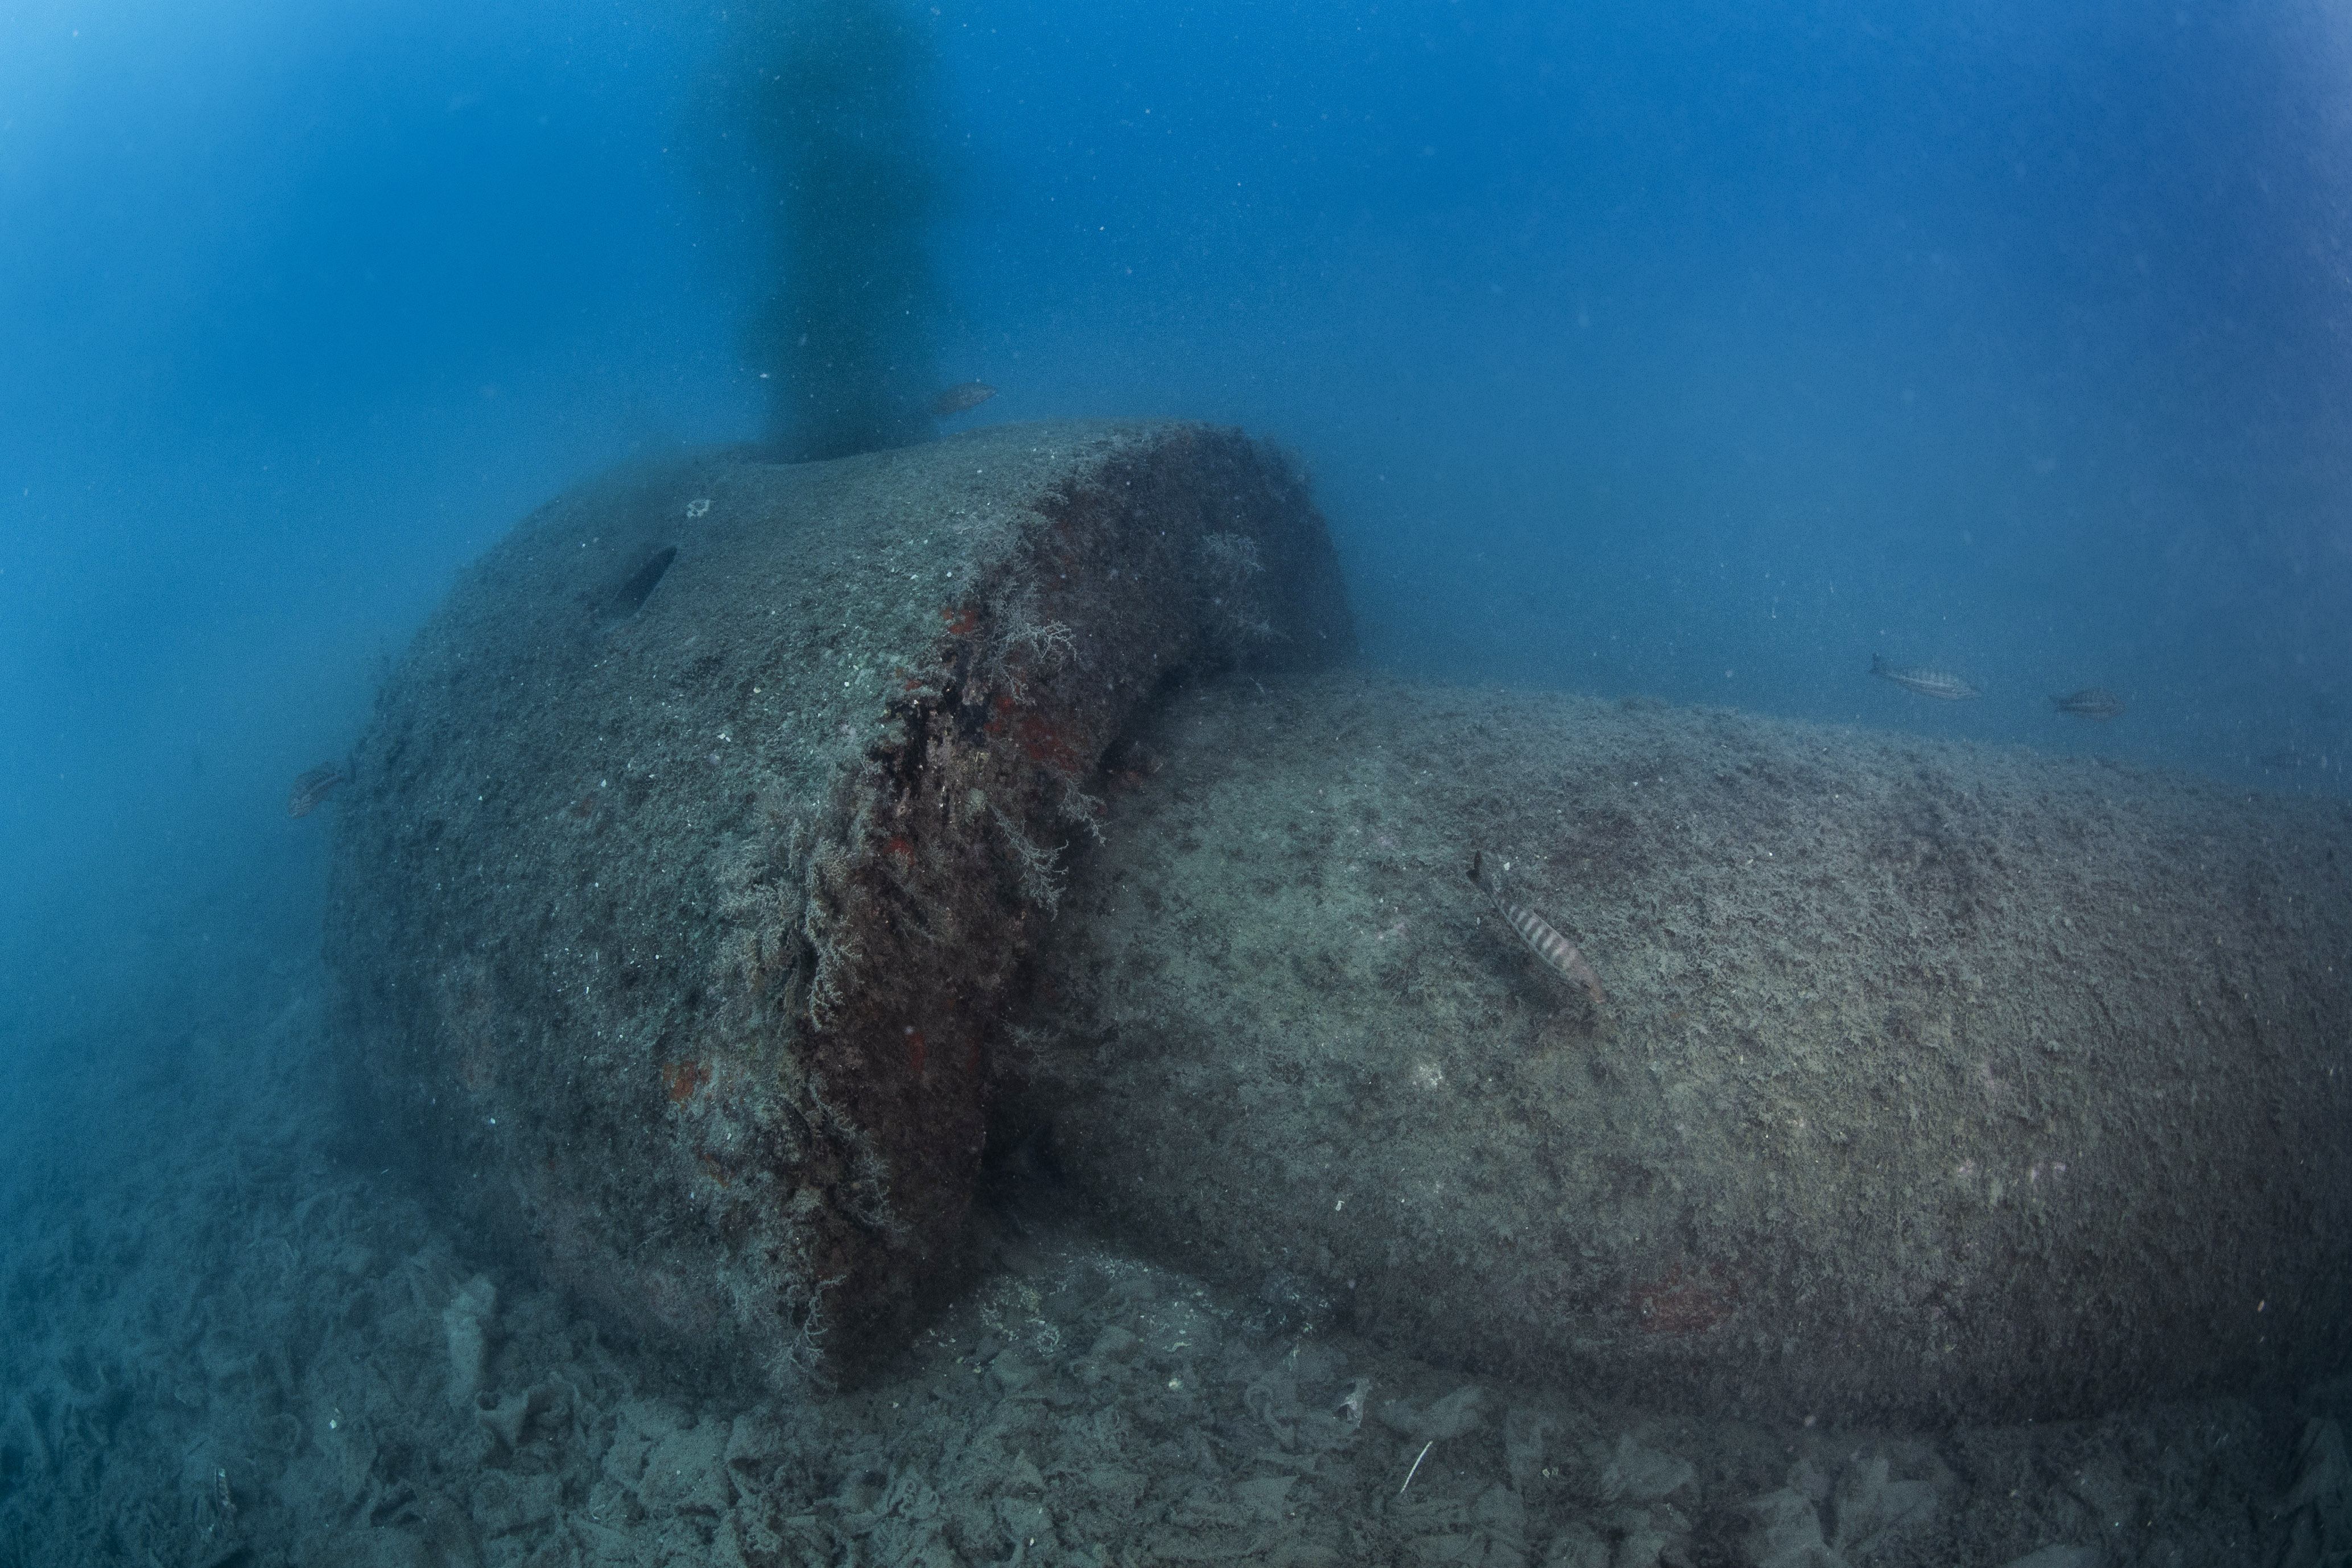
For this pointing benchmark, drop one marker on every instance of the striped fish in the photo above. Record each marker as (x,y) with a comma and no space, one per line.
(312,788)
(1934,683)
(1537,931)
(2091,702)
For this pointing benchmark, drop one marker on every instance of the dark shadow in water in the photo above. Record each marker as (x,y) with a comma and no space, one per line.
(841,103)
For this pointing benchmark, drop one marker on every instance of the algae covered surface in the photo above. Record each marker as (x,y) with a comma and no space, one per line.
(233,1336)
(1927,1080)
(685,875)
(936,1029)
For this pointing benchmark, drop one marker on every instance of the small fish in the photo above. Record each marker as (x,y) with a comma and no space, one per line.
(2091,702)
(1537,931)
(312,789)
(2292,759)
(1933,683)
(962,395)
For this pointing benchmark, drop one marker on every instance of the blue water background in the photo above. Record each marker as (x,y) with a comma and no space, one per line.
(1699,350)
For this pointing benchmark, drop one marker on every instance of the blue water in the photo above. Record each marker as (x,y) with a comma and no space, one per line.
(1699,352)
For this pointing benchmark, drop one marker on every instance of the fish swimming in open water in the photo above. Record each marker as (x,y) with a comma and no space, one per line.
(1935,683)
(2091,702)
(1537,931)
(312,788)
(963,395)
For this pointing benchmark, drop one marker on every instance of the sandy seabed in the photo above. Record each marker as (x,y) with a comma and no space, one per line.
(231,1338)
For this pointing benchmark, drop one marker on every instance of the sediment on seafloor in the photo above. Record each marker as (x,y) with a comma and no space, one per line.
(704,835)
